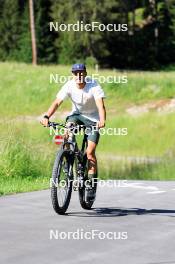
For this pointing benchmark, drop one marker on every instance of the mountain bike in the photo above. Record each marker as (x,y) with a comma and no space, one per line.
(70,171)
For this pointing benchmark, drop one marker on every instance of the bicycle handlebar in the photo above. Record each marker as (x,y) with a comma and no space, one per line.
(55,125)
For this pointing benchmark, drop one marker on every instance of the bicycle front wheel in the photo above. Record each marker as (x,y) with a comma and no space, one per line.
(62,176)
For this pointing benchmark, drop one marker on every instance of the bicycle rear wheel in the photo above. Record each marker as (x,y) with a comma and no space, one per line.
(62,177)
(85,202)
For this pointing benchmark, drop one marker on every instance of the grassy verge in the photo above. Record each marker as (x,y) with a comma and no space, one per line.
(25,90)
(164,170)
(27,151)
(24,164)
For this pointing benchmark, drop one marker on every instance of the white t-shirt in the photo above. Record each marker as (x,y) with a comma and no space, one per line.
(83,100)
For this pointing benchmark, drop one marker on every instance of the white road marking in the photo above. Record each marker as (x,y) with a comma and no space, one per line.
(136,185)
(155,192)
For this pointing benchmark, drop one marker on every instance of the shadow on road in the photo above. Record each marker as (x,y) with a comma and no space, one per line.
(114,212)
(169,262)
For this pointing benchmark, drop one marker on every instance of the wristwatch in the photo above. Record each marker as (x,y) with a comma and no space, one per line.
(46,116)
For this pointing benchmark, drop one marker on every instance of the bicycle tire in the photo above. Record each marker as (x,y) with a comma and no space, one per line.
(55,179)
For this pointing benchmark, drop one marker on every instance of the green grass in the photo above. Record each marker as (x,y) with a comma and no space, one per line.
(25,166)
(25,90)
(27,151)
(151,134)
(123,169)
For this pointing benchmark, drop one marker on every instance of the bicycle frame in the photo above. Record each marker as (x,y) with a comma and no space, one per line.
(71,144)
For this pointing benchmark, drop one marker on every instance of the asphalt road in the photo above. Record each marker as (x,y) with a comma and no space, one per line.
(131,222)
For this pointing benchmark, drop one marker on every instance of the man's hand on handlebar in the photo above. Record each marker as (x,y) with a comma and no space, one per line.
(45,121)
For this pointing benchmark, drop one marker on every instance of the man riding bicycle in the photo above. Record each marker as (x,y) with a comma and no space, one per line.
(88,109)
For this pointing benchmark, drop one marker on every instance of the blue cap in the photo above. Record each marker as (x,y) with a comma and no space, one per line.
(78,67)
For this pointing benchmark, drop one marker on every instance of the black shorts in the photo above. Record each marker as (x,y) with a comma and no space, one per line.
(92,134)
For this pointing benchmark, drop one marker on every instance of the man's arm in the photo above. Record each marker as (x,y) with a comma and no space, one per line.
(102,112)
(56,103)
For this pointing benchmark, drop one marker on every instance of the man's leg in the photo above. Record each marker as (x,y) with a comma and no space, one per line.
(92,168)
(92,161)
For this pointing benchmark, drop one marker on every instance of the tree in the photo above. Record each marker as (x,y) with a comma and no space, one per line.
(32,28)
(147,44)
(167,32)
(45,38)
(73,46)
(24,52)
(9,29)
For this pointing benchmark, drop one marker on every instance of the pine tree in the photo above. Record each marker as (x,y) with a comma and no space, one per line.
(171,6)
(164,33)
(73,46)
(32,31)
(24,54)
(45,40)
(9,29)
(150,34)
